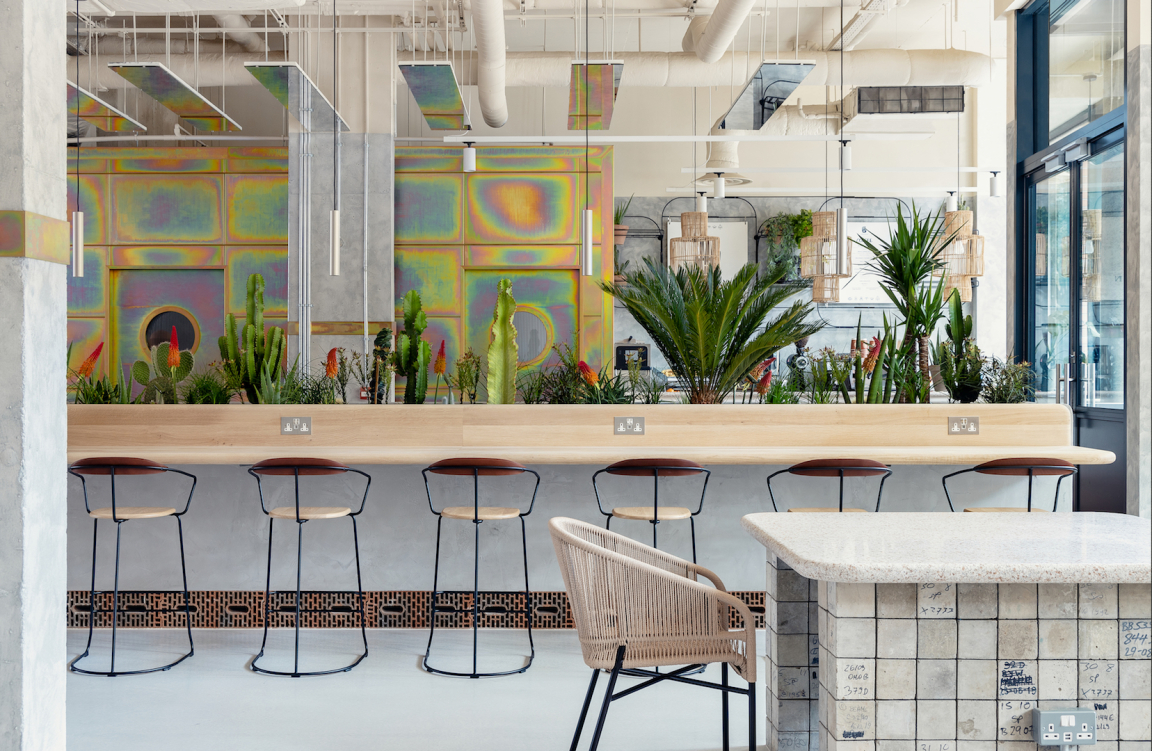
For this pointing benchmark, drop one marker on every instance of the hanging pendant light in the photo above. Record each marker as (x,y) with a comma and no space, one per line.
(846,156)
(843,251)
(718,190)
(334,236)
(77,235)
(951,203)
(469,157)
(586,255)
(586,234)
(994,185)
(701,203)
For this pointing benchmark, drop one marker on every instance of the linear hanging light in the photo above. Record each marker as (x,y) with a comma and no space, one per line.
(586,234)
(334,239)
(77,216)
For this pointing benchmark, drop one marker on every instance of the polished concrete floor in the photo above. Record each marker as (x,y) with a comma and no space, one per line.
(212,701)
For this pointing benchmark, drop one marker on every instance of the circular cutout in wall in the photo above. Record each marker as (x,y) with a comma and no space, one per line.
(534,334)
(158,328)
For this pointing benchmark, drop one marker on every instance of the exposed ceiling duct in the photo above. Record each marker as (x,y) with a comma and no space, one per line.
(161,7)
(725,21)
(490,59)
(238,31)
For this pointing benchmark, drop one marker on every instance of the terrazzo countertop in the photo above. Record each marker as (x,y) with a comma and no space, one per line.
(1083,548)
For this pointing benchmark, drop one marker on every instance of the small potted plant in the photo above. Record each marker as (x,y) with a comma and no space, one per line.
(619,228)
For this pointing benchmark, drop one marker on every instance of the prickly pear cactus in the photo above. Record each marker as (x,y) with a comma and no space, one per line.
(161,377)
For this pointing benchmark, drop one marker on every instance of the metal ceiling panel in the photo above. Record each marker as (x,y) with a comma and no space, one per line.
(91,109)
(437,94)
(300,96)
(167,88)
(592,94)
(764,93)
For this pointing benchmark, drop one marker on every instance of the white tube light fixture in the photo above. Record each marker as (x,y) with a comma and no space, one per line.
(842,252)
(586,247)
(701,203)
(994,186)
(77,243)
(469,157)
(845,156)
(950,204)
(334,257)
(718,190)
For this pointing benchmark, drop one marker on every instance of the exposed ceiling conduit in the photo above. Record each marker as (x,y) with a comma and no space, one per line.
(236,25)
(725,21)
(653,69)
(490,58)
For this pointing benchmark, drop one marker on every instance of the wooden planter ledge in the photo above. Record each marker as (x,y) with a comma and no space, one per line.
(576,434)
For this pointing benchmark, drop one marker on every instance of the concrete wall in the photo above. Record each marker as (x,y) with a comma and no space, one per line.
(226,535)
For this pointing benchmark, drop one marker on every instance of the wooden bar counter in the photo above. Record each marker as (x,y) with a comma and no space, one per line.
(576,434)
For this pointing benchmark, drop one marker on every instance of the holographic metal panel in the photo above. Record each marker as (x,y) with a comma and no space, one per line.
(166,209)
(540,159)
(435,273)
(294,89)
(552,293)
(165,164)
(592,95)
(430,158)
(155,80)
(85,334)
(91,109)
(94,204)
(272,263)
(88,294)
(539,256)
(428,208)
(136,294)
(593,342)
(538,208)
(433,85)
(257,208)
(184,256)
(764,93)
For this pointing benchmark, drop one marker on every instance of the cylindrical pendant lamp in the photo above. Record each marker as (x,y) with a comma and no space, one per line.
(334,257)
(719,183)
(586,247)
(846,156)
(77,243)
(469,158)
(994,186)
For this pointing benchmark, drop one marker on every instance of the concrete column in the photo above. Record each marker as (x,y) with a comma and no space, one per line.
(33,429)
(1138,274)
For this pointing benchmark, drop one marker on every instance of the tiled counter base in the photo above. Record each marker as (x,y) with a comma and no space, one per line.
(952,667)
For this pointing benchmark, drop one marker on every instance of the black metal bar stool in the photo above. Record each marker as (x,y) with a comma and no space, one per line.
(654,514)
(121,466)
(1024,467)
(839,468)
(297,468)
(477,514)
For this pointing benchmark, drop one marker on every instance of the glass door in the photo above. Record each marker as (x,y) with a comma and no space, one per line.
(1050,206)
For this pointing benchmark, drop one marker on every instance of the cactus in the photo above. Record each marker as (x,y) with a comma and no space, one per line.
(503,352)
(413,354)
(167,369)
(959,326)
(244,356)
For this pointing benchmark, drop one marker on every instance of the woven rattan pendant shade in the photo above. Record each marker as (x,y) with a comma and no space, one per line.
(818,260)
(694,247)
(963,257)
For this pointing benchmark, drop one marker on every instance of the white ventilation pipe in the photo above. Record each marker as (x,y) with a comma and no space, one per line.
(236,25)
(490,57)
(722,26)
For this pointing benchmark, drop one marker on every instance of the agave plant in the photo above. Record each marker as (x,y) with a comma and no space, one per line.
(713,332)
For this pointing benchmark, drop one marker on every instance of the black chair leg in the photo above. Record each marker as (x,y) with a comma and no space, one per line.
(527,596)
(607,698)
(184,575)
(92,609)
(435,592)
(115,599)
(267,595)
(299,559)
(584,710)
(360,588)
(692,527)
(724,705)
(753,741)
(475,596)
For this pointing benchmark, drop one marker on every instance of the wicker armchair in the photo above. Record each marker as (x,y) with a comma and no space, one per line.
(637,608)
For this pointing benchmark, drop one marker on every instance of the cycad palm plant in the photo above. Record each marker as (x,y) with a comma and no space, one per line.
(905,264)
(713,332)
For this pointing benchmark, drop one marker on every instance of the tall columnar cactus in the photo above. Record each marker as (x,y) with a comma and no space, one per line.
(243,356)
(413,354)
(503,352)
(168,368)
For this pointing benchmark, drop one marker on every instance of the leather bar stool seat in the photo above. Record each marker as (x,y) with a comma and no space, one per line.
(835,468)
(1030,467)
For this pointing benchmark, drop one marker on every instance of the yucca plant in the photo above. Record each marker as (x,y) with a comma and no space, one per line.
(713,332)
(905,264)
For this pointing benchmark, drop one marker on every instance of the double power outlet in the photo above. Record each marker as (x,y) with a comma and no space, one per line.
(1064,727)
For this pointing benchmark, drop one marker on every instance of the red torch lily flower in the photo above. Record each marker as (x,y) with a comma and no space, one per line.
(89,363)
(764,383)
(441,363)
(588,374)
(174,350)
(331,366)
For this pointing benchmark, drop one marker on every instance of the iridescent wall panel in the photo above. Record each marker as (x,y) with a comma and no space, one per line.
(138,294)
(435,272)
(85,334)
(433,85)
(547,294)
(428,208)
(430,158)
(171,91)
(95,111)
(88,294)
(183,256)
(535,256)
(167,209)
(272,264)
(257,208)
(94,204)
(163,164)
(537,208)
(592,95)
